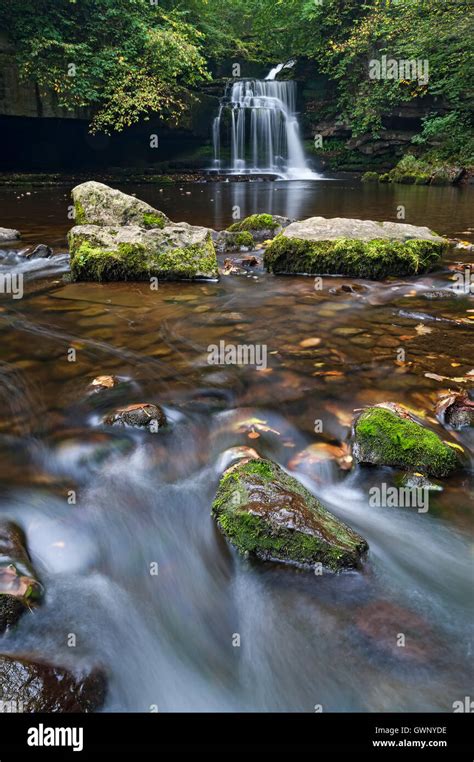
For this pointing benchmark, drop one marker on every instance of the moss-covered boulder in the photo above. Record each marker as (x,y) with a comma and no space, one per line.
(356,248)
(238,241)
(387,435)
(20,588)
(34,686)
(261,226)
(268,514)
(97,204)
(175,252)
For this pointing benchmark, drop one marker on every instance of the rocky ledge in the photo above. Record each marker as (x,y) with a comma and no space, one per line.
(356,248)
(120,238)
(266,513)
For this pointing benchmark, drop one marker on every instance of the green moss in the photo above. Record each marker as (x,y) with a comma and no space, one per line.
(134,262)
(151,220)
(244,239)
(374,259)
(247,520)
(370,177)
(385,438)
(79,214)
(384,177)
(254,222)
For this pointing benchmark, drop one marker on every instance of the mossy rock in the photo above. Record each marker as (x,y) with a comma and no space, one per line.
(268,514)
(261,226)
(97,204)
(355,248)
(175,252)
(370,177)
(391,437)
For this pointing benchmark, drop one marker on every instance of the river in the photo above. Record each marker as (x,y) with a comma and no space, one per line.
(167,640)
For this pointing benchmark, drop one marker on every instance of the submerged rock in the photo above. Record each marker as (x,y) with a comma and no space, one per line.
(387,435)
(455,409)
(97,204)
(260,226)
(19,585)
(141,416)
(120,238)
(38,687)
(9,234)
(356,248)
(267,513)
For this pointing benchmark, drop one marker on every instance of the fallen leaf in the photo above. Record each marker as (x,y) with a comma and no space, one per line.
(422,329)
(314,342)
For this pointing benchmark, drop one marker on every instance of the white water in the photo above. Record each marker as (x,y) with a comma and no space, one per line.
(258,118)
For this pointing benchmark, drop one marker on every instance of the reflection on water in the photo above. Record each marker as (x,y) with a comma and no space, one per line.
(167,640)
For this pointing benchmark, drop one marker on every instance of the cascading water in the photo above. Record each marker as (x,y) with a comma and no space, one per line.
(259,119)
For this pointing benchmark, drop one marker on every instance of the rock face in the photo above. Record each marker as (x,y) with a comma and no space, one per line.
(19,585)
(37,687)
(260,226)
(97,204)
(121,238)
(142,416)
(270,515)
(387,435)
(356,248)
(9,234)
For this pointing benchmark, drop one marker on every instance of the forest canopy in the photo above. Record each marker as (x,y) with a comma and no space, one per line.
(127,59)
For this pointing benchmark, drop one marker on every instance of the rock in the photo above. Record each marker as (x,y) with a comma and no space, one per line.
(270,515)
(141,416)
(33,686)
(101,383)
(356,248)
(261,226)
(387,435)
(19,584)
(176,252)
(97,204)
(39,252)
(226,241)
(455,409)
(380,624)
(9,234)
(418,481)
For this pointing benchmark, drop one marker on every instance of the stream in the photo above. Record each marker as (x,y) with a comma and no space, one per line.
(167,640)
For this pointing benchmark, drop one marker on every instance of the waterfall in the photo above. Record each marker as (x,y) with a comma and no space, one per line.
(258,117)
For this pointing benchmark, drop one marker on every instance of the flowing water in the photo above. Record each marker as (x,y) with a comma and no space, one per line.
(257,118)
(168,640)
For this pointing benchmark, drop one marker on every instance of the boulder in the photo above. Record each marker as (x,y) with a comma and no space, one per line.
(9,234)
(141,416)
(176,252)
(260,226)
(19,584)
(266,513)
(387,435)
(117,237)
(33,686)
(97,204)
(356,248)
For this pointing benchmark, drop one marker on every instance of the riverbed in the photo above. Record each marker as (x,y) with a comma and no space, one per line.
(167,640)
